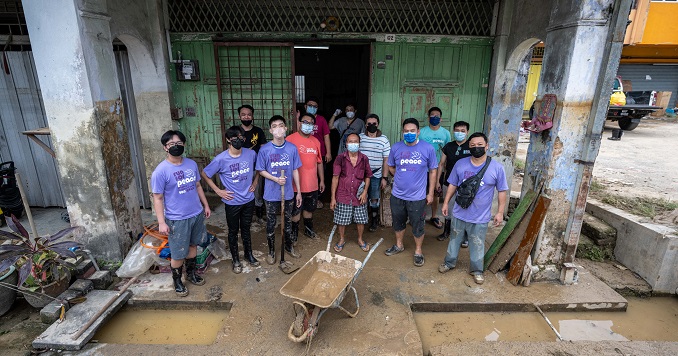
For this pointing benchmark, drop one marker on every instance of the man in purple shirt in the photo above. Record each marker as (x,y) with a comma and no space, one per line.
(181,208)
(236,172)
(351,172)
(277,161)
(412,164)
(472,221)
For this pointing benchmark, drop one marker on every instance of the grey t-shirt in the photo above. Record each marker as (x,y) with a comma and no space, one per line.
(342,125)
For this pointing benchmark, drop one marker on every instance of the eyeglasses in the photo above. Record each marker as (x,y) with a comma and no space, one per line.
(307,122)
(172,144)
(312,106)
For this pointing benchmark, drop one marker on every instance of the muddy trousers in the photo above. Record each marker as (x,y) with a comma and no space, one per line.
(239,219)
(476,238)
(272,210)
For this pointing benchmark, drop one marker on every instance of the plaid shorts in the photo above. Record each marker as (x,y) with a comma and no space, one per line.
(344,214)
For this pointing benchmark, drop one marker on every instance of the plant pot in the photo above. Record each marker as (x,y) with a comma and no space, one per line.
(7,296)
(38,300)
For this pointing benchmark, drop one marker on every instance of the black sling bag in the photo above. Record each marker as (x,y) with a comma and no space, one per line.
(467,190)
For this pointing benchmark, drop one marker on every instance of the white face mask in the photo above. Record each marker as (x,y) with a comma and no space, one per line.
(350,114)
(278,132)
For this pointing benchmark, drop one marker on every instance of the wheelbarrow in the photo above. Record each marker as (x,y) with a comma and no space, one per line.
(319,285)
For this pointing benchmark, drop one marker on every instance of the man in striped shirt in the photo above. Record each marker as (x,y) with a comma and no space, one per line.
(376,147)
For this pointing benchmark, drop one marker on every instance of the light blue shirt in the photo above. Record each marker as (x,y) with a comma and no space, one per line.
(437,138)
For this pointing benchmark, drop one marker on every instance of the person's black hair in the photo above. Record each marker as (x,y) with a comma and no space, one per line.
(169,134)
(312,98)
(349,135)
(307,114)
(351,105)
(411,120)
(234,131)
(461,123)
(477,134)
(372,116)
(276,118)
(435,108)
(246,106)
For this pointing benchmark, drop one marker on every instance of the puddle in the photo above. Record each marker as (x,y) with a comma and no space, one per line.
(653,319)
(185,327)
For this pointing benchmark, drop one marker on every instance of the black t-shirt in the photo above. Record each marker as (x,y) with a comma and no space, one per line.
(454,152)
(254,138)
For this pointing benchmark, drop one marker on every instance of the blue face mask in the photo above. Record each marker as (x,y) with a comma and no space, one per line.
(353,147)
(410,137)
(434,120)
(306,128)
(459,136)
(311,110)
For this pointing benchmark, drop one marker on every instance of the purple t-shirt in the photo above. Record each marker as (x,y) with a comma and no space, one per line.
(274,159)
(236,174)
(480,211)
(177,184)
(412,164)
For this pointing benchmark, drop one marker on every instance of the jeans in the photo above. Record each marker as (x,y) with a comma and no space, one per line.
(476,237)
(272,209)
(239,218)
(374,193)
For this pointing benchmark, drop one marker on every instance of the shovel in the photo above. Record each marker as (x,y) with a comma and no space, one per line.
(285,266)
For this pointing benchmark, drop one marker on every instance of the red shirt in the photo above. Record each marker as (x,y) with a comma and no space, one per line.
(309,154)
(320,129)
(350,177)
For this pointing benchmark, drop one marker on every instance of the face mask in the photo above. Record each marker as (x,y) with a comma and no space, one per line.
(306,128)
(350,114)
(372,128)
(410,137)
(434,120)
(311,110)
(176,150)
(278,132)
(237,143)
(477,152)
(246,122)
(353,147)
(459,136)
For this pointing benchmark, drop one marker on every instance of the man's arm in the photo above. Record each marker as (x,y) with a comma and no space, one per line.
(335,184)
(223,193)
(328,148)
(295,177)
(499,217)
(451,189)
(321,175)
(363,195)
(159,206)
(203,200)
(255,182)
(441,165)
(391,171)
(330,123)
(431,186)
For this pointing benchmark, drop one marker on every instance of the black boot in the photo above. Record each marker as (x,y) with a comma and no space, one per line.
(308,228)
(374,218)
(259,211)
(270,258)
(249,257)
(191,273)
(233,247)
(446,230)
(179,287)
(295,233)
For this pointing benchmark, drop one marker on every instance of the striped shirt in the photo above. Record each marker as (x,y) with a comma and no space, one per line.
(376,149)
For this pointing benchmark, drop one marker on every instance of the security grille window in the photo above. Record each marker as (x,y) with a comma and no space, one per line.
(300,88)
(433,17)
(13,29)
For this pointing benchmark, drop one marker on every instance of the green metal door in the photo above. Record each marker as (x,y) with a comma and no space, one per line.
(418,99)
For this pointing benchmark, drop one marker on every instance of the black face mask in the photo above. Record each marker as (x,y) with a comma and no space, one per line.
(477,152)
(176,150)
(372,128)
(246,122)
(237,143)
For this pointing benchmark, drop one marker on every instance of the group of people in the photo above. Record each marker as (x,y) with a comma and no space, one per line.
(288,173)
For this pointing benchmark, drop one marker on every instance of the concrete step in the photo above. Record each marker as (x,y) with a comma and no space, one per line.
(599,231)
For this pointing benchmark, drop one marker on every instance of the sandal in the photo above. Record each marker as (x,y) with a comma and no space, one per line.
(437,223)
(338,248)
(365,246)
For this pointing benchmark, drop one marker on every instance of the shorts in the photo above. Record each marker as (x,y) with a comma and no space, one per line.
(185,233)
(401,210)
(308,202)
(344,214)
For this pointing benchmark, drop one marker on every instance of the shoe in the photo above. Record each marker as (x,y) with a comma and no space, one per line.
(446,231)
(418,260)
(393,250)
(308,229)
(437,223)
(292,252)
(270,258)
(478,278)
(237,267)
(338,247)
(444,268)
(464,244)
(249,257)
(179,287)
(191,273)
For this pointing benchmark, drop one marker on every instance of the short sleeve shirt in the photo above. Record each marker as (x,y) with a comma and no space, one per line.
(437,138)
(480,211)
(177,184)
(309,154)
(275,160)
(412,164)
(254,138)
(350,177)
(320,129)
(454,152)
(376,149)
(357,126)
(235,173)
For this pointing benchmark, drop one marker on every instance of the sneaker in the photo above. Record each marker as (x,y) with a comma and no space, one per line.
(444,268)
(418,260)
(393,250)
(478,278)
(464,244)
(292,252)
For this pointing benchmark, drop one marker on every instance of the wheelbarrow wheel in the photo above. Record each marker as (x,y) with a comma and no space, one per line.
(298,325)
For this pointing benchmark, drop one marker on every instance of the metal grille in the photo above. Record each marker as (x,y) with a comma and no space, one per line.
(259,74)
(434,17)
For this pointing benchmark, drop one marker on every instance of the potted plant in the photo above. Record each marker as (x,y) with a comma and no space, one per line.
(7,295)
(41,261)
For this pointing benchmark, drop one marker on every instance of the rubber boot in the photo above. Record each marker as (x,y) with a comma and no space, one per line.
(446,230)
(308,228)
(249,257)
(295,233)
(179,287)
(259,212)
(233,247)
(191,273)
(374,218)
(270,258)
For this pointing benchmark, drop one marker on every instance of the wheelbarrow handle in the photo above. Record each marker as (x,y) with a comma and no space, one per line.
(329,240)
(369,254)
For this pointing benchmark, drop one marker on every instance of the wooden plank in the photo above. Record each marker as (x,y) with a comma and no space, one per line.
(511,245)
(526,244)
(511,224)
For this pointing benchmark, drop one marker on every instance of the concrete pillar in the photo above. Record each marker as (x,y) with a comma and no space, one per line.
(71,43)
(575,69)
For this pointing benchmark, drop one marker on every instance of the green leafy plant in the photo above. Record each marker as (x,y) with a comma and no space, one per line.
(40,260)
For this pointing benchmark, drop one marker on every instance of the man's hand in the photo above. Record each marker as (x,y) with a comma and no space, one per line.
(298,200)
(383,183)
(328,157)
(225,194)
(208,212)
(429,199)
(333,204)
(253,187)
(445,210)
(321,187)
(163,228)
(363,197)
(281,180)
(498,219)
